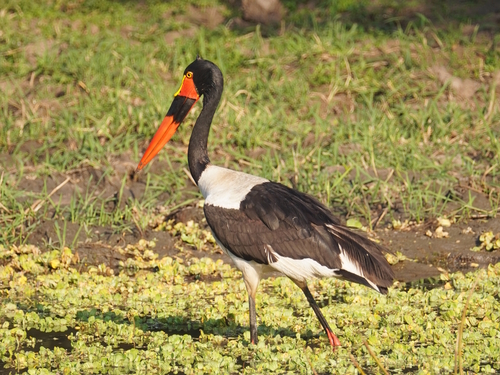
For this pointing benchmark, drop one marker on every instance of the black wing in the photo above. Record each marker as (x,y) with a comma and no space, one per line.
(296,226)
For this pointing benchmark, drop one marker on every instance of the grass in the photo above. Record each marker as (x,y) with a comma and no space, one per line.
(88,84)
(342,101)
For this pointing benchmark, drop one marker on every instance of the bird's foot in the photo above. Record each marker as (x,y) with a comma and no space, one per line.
(334,341)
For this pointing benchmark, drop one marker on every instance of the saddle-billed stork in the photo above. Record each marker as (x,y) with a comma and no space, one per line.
(262,225)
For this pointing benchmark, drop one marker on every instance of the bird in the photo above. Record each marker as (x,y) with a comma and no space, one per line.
(266,227)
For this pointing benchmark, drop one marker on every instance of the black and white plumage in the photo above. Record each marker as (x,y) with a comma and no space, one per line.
(262,225)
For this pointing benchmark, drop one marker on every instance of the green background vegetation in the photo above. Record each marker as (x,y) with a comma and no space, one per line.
(89,83)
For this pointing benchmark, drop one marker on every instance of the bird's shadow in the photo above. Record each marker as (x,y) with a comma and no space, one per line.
(180,325)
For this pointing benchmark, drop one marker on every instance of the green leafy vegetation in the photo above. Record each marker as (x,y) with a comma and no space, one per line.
(488,241)
(191,317)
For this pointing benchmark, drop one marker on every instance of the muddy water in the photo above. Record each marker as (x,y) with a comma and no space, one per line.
(428,256)
(432,256)
(48,340)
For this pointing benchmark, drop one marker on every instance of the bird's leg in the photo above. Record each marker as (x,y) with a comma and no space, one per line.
(334,341)
(252,279)
(253,320)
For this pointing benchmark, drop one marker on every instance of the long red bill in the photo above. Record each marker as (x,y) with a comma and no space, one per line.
(184,100)
(166,130)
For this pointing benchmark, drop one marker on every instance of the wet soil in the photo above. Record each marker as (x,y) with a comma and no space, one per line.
(96,245)
(429,256)
(433,256)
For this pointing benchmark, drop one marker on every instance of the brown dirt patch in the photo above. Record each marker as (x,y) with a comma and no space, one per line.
(433,255)
(98,244)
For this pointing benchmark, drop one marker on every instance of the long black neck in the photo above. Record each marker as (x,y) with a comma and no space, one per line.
(197,151)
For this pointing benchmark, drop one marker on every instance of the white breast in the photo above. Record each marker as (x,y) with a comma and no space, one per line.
(226,188)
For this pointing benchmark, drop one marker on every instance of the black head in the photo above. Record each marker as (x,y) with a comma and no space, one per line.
(207,77)
(201,77)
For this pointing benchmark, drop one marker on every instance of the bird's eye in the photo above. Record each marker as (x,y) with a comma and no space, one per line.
(189,75)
